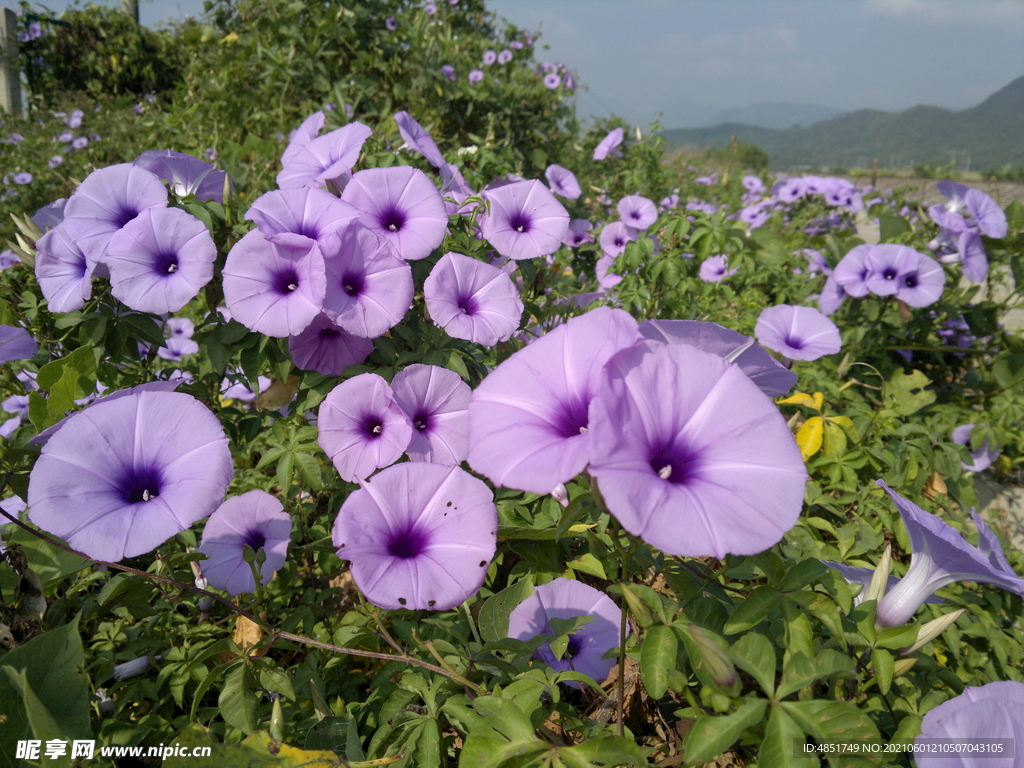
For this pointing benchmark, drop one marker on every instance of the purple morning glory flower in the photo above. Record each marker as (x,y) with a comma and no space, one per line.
(419,536)
(983,212)
(791,190)
(177,347)
(23,178)
(50,215)
(981,459)
(274,289)
(16,344)
(563,182)
(56,161)
(552,80)
(288,216)
(972,253)
(886,265)
(179,327)
(852,272)
(324,158)
(578,233)
(524,220)
(76,119)
(369,288)
(255,518)
(401,204)
(489,58)
(637,211)
(702,470)
(301,136)
(832,295)
(437,402)
(923,284)
(940,556)
(609,145)
(80,143)
(63,271)
(391,23)
(160,260)
(565,599)
(361,426)
(614,237)
(715,268)
(753,184)
(107,200)
(123,476)
(187,175)
(863,576)
(799,333)
(448,71)
(505,56)
(475,76)
(606,279)
(9,258)
(325,348)
(529,427)
(472,300)
(418,139)
(771,377)
(992,711)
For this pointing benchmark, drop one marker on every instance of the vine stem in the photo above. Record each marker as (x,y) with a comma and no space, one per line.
(273,633)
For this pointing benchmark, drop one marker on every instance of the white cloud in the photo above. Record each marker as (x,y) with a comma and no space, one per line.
(964,12)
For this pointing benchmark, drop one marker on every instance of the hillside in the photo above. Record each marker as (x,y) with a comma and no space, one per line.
(987,135)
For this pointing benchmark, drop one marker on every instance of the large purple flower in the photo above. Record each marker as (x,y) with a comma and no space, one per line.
(565,599)
(123,476)
(369,287)
(886,265)
(852,272)
(525,220)
(614,237)
(637,211)
(701,469)
(563,182)
(419,536)
(922,285)
(993,711)
(362,428)
(401,204)
(529,426)
(16,344)
(107,200)
(63,271)
(437,402)
(160,260)
(274,289)
(609,145)
(799,333)
(301,136)
(285,216)
(940,556)
(255,518)
(325,348)
(186,174)
(418,139)
(324,158)
(472,300)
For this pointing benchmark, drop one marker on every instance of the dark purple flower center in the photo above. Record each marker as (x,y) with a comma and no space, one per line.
(286,281)
(140,484)
(373,427)
(572,421)
(255,539)
(794,342)
(890,273)
(392,220)
(421,421)
(307,229)
(165,263)
(352,284)
(408,543)
(619,241)
(910,280)
(676,464)
(329,333)
(124,215)
(468,305)
(520,222)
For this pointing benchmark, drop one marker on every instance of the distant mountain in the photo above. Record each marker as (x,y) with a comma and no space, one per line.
(780,115)
(988,135)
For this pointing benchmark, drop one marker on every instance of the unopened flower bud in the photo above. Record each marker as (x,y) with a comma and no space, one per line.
(718,665)
(879,582)
(932,629)
(131,668)
(561,495)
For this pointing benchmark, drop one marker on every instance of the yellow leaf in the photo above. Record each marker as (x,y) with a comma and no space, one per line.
(230,38)
(802,398)
(810,435)
(835,439)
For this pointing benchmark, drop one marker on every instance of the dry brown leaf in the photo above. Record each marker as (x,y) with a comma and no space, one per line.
(934,486)
(278,394)
(247,633)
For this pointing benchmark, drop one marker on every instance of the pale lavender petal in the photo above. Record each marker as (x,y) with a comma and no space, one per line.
(63,271)
(799,333)
(525,220)
(472,300)
(16,344)
(418,139)
(437,402)
(325,348)
(285,216)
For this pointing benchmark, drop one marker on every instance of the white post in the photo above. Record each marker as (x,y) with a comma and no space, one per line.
(10,75)
(131,7)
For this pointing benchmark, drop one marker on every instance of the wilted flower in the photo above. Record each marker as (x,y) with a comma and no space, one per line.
(799,333)
(472,300)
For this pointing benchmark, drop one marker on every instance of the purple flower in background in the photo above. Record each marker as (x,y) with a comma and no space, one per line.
(755,215)
(940,556)
(475,76)
(274,289)
(705,470)
(981,459)
(437,402)
(529,427)
(886,265)
(489,58)
(107,200)
(430,9)
(16,344)
(565,599)
(391,23)
(160,260)
(472,300)
(418,139)
(614,237)
(552,80)
(563,182)
(325,348)
(799,333)
(56,161)
(186,174)
(289,216)
(255,518)
(324,158)
(525,220)
(401,204)
(361,426)
(369,288)
(9,258)
(419,536)
(715,268)
(177,347)
(578,233)
(983,212)
(992,711)
(75,121)
(448,71)
(516,44)
(505,56)
(852,272)
(179,327)
(832,295)
(791,190)
(80,143)
(637,211)
(753,184)
(609,145)
(63,271)
(923,284)
(708,181)
(123,476)
(771,377)
(606,279)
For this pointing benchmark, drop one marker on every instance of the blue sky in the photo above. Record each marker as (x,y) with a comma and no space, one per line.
(686,60)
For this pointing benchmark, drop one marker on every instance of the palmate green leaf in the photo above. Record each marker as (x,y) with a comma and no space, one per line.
(657,657)
(493,618)
(755,654)
(800,671)
(906,393)
(711,736)
(506,718)
(753,610)
(780,737)
(603,750)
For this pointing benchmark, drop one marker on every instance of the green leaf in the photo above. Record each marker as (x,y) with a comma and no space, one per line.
(906,393)
(1015,215)
(800,671)
(237,701)
(256,751)
(824,609)
(780,737)
(39,717)
(897,637)
(605,750)
(657,657)
(1007,370)
(336,734)
(831,720)
(882,664)
(890,227)
(755,654)
(493,618)
(711,736)
(753,610)
(506,718)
